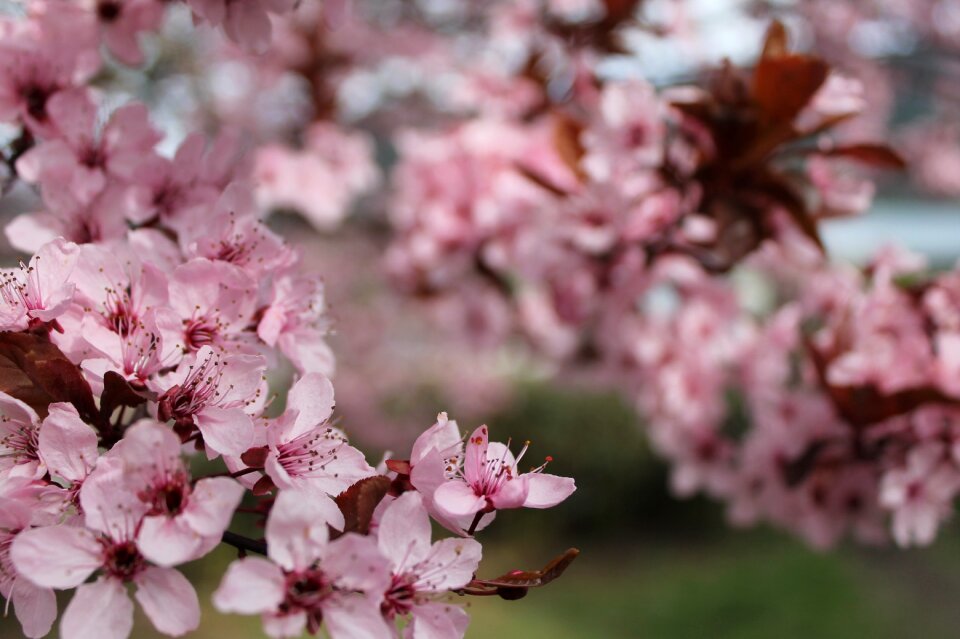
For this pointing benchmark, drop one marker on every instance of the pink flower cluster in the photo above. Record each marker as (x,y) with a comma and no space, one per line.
(833,414)
(140,334)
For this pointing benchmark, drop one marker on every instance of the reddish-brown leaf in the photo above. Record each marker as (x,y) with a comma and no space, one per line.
(783,85)
(780,191)
(37,373)
(117,392)
(566,139)
(359,501)
(776,42)
(515,583)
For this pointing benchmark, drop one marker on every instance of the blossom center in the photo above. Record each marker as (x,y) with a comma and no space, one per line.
(108,10)
(399,598)
(122,560)
(19,444)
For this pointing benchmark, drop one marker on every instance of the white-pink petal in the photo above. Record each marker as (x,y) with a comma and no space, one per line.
(354,617)
(451,564)
(56,556)
(169,600)
(35,607)
(297,527)
(251,585)
(68,446)
(545,491)
(354,562)
(457,499)
(227,431)
(436,620)
(312,398)
(99,610)
(404,532)
(169,542)
(212,504)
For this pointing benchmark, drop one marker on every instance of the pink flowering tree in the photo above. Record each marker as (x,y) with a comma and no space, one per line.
(141,334)
(523,183)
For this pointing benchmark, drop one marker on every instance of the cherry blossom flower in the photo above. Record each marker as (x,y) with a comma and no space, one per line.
(35,606)
(490,480)
(304,451)
(122,21)
(421,571)
(185,519)
(218,395)
(309,580)
(19,439)
(320,181)
(38,292)
(78,161)
(52,52)
(920,494)
(292,321)
(246,22)
(67,446)
(65,556)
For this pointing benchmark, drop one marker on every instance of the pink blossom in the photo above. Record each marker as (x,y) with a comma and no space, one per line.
(41,57)
(246,22)
(79,160)
(218,395)
(920,494)
(215,304)
(421,571)
(435,459)
(233,234)
(41,291)
(293,321)
(305,452)
(185,519)
(309,580)
(19,439)
(67,446)
(174,190)
(122,21)
(490,480)
(322,180)
(65,556)
(628,138)
(35,606)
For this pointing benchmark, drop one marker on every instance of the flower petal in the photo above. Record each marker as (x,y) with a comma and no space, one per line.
(212,504)
(35,607)
(100,610)
(436,620)
(297,527)
(546,490)
(251,585)
(456,499)
(354,616)
(56,556)
(68,446)
(404,532)
(169,600)
(168,542)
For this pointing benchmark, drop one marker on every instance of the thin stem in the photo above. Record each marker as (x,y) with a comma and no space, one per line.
(244,544)
(476,522)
